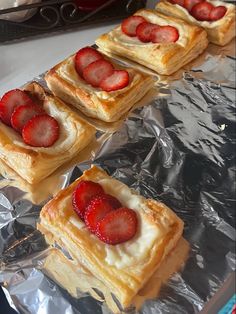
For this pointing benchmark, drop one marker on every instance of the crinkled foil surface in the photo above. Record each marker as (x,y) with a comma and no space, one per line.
(179,149)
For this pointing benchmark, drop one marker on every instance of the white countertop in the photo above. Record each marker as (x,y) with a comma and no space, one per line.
(21,61)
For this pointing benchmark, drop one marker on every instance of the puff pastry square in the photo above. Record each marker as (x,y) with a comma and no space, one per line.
(124,268)
(162,58)
(35,163)
(65,83)
(219,32)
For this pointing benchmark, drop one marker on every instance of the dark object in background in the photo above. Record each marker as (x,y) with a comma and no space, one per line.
(4,306)
(89,5)
(59,15)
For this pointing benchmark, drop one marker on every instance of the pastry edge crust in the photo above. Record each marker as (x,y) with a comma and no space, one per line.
(173,56)
(124,288)
(108,111)
(220,34)
(34,166)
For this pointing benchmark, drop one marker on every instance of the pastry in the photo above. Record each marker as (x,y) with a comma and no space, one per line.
(76,279)
(124,265)
(23,154)
(107,102)
(172,43)
(216,17)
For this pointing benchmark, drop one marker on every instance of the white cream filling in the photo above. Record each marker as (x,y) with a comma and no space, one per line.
(67,72)
(207,24)
(119,36)
(127,253)
(67,132)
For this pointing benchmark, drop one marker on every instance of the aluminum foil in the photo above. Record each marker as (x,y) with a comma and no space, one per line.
(179,149)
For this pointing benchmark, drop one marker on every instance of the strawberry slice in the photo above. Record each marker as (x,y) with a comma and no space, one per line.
(117,226)
(201,11)
(84,57)
(164,34)
(118,80)
(23,114)
(83,193)
(12,99)
(144,31)
(97,208)
(188,4)
(179,2)
(41,131)
(97,71)
(130,25)
(217,13)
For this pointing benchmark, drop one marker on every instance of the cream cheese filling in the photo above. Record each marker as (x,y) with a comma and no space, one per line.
(118,36)
(207,24)
(68,73)
(126,254)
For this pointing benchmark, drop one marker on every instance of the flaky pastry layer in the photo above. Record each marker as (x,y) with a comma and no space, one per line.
(162,58)
(75,278)
(65,83)
(123,268)
(34,163)
(219,32)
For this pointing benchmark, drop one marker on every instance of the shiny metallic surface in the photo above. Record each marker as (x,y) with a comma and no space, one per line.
(179,149)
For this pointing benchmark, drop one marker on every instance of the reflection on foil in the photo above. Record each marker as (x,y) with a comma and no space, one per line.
(181,150)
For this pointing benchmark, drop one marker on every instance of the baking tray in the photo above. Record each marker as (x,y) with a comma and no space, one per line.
(178,147)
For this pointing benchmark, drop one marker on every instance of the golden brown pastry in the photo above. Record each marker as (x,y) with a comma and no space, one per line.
(76,278)
(164,58)
(123,268)
(35,163)
(219,32)
(66,83)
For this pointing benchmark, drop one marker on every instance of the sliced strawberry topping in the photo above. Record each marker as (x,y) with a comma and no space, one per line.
(188,4)
(130,25)
(118,80)
(23,114)
(201,11)
(97,208)
(41,131)
(217,13)
(117,226)
(83,193)
(179,2)
(84,57)
(10,101)
(97,71)
(144,31)
(164,34)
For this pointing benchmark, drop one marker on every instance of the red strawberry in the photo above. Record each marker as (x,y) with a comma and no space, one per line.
(217,13)
(117,226)
(23,114)
(84,57)
(188,4)
(118,80)
(83,193)
(97,71)
(130,25)
(144,31)
(41,131)
(10,101)
(164,34)
(97,208)
(201,11)
(179,2)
